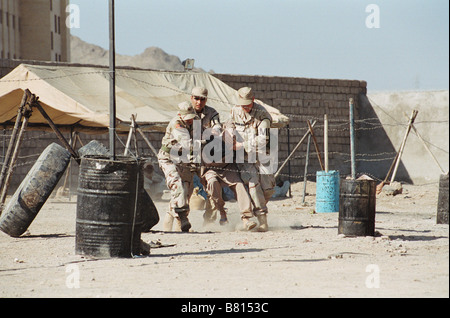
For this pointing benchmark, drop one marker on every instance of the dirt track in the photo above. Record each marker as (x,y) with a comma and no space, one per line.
(302,255)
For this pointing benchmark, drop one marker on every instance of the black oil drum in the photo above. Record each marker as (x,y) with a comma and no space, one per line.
(357,207)
(34,190)
(442,207)
(108,220)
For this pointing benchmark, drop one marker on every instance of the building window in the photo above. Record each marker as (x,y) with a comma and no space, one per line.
(1,16)
(51,5)
(51,40)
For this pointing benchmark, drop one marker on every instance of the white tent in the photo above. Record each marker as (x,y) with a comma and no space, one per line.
(77,97)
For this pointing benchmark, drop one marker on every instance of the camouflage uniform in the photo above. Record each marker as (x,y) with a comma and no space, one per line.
(179,175)
(217,175)
(227,175)
(261,184)
(209,119)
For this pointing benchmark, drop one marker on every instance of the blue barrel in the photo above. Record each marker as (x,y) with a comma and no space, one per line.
(327,191)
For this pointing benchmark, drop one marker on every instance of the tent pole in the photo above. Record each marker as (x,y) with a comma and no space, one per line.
(112,82)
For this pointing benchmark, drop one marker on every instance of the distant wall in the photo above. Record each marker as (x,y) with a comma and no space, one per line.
(426,151)
(303,99)
(380,124)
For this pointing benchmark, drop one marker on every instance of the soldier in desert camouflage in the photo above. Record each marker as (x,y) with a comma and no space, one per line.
(175,160)
(217,175)
(251,120)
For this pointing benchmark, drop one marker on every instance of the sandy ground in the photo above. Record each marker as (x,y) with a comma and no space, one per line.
(302,255)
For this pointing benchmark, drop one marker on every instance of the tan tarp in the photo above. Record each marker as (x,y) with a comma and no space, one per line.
(78,97)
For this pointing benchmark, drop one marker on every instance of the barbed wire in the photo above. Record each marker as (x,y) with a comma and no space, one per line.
(358,157)
(52,77)
(294,177)
(334,124)
(304,129)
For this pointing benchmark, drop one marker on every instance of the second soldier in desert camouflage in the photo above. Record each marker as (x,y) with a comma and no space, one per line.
(175,160)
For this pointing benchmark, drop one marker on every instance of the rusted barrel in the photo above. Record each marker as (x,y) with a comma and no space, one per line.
(442,207)
(357,207)
(34,190)
(108,220)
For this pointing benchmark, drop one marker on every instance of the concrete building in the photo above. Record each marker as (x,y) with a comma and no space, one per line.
(34,30)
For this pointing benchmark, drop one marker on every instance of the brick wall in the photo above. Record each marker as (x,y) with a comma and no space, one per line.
(34,142)
(303,99)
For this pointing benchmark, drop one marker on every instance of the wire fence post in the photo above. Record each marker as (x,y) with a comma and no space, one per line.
(352,139)
(289,163)
(112,82)
(325,140)
(305,178)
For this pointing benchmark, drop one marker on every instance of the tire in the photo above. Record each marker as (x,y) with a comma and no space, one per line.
(149,213)
(34,190)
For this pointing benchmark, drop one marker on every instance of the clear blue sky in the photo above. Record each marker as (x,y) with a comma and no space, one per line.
(399,45)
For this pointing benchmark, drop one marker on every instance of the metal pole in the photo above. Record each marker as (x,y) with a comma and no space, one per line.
(112,82)
(305,179)
(325,140)
(289,162)
(352,139)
